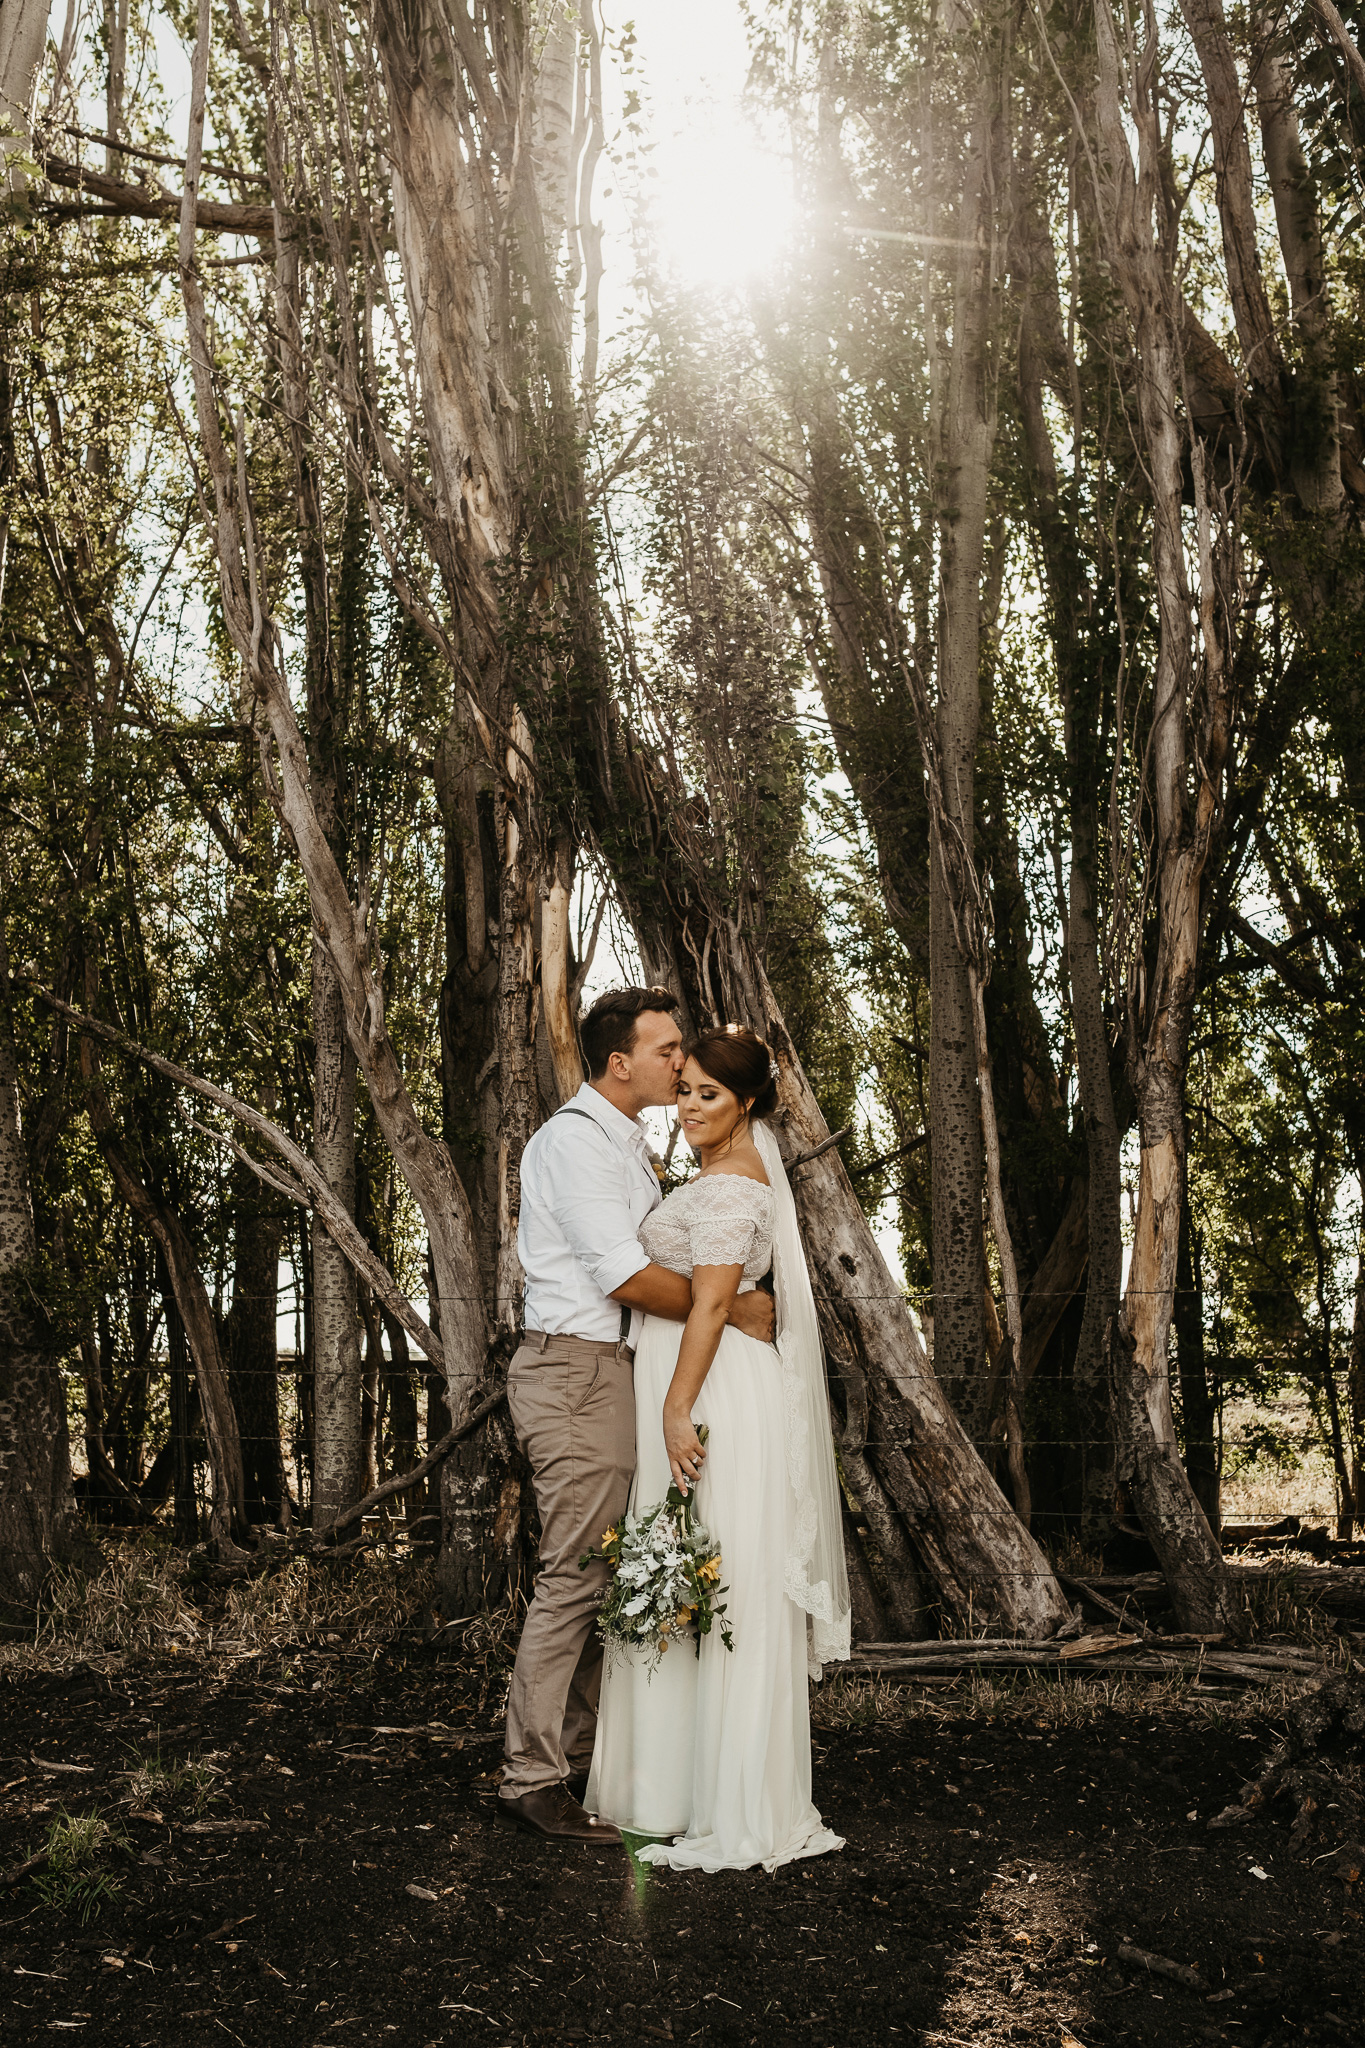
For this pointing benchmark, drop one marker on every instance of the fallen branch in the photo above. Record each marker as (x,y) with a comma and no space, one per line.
(1145,1659)
(319,1190)
(403,1480)
(1085,1591)
(32,1868)
(1161,1966)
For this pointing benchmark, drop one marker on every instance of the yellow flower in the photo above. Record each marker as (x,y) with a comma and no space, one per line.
(608,1536)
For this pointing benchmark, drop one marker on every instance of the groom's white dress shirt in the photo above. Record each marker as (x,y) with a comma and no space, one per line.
(585,1190)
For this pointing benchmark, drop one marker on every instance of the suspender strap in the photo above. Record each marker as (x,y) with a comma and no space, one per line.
(568,1111)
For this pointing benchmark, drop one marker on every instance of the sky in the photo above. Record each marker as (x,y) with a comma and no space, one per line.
(722,200)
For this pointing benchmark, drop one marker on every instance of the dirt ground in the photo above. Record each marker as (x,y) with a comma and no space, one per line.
(346,1882)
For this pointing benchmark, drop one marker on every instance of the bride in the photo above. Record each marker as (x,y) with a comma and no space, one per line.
(715,1749)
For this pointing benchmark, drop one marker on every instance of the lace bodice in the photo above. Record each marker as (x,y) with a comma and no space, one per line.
(718,1219)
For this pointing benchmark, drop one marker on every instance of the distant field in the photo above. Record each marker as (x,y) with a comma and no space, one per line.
(1263,1491)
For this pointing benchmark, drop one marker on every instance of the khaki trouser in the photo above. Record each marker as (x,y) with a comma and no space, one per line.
(573,1407)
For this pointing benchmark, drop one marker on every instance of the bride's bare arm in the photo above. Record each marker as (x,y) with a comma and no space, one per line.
(714,1289)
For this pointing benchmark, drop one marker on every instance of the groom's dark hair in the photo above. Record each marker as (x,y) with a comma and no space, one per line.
(610,1024)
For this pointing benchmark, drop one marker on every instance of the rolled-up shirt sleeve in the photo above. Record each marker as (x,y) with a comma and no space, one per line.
(586,1198)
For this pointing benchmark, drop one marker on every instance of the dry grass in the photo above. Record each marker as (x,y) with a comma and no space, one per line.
(136,1606)
(1266,1490)
(1045,1702)
(313,1601)
(150,1601)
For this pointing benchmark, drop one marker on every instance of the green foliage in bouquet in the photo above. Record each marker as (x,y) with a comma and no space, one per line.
(665,1579)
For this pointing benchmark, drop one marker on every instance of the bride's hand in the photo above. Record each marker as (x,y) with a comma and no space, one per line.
(686,1453)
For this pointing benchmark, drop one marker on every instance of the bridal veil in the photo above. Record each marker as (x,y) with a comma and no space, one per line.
(816,1573)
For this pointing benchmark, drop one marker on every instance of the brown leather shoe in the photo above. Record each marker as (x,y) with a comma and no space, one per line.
(576,1785)
(551,1810)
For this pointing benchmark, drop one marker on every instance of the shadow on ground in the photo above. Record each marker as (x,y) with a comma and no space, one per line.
(348,1884)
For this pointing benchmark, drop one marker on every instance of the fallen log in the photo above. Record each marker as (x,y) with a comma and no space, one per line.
(1333,1589)
(1107,1655)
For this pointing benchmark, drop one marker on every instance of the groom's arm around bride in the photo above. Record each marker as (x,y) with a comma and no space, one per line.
(587,1184)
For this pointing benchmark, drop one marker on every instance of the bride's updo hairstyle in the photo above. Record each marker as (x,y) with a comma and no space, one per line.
(741,1062)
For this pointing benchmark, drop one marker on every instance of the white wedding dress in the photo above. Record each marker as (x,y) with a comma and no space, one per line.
(715,1748)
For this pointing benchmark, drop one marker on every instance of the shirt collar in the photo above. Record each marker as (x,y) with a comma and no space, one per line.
(627,1130)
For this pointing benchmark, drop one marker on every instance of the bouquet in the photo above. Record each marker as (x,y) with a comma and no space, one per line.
(665,1579)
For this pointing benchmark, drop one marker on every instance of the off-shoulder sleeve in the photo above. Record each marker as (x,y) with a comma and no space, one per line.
(728,1211)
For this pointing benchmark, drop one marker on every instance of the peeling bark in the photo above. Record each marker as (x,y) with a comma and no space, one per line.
(1198,1413)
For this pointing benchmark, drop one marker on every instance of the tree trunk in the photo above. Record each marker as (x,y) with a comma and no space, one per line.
(469,989)
(556,974)
(336,1339)
(104,1495)
(867,1618)
(38,1522)
(180,1390)
(1160,997)
(1104,1215)
(870,721)
(899,1589)
(130,1436)
(1085,665)
(1198,1411)
(490,1009)
(343,931)
(23,33)
(253,1368)
(405,1449)
(1176,1525)
(1355,1394)
(966,435)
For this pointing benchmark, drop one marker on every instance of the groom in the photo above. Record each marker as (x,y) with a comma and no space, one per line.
(587,1183)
